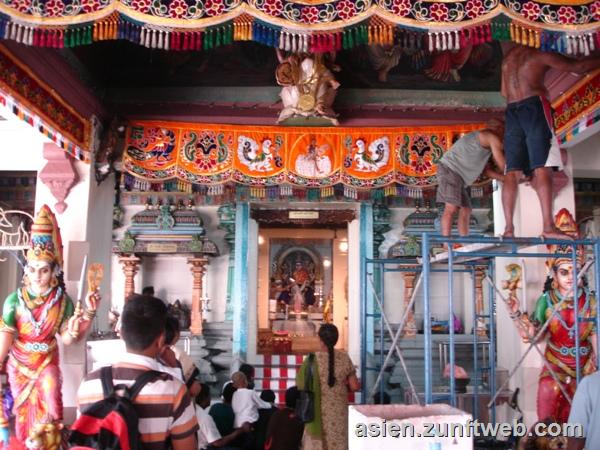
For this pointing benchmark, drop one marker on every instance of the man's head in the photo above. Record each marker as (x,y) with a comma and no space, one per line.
(203,397)
(248,370)
(268,396)
(291,397)
(227,394)
(239,380)
(172,331)
(148,290)
(143,324)
(496,126)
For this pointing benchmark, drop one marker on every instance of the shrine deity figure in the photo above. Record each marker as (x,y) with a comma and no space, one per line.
(557,306)
(31,318)
(315,162)
(301,274)
(309,87)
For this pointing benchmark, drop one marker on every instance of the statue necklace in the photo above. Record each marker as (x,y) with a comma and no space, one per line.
(306,101)
(37,301)
(23,297)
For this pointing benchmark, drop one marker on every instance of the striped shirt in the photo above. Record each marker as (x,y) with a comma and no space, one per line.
(164,407)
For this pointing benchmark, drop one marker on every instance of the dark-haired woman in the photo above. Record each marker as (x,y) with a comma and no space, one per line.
(333,376)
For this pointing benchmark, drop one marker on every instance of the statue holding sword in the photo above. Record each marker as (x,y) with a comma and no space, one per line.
(32,318)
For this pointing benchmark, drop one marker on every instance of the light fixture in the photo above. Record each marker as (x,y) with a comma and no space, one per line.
(326,262)
(343,246)
(261,240)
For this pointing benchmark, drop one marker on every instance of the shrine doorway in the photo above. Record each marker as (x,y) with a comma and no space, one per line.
(302,283)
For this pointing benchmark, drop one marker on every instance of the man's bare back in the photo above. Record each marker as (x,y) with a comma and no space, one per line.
(523,74)
(524,69)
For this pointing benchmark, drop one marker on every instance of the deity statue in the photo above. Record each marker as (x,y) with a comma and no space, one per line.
(309,87)
(556,305)
(31,318)
(315,162)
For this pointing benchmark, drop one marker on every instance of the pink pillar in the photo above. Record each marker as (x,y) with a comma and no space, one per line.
(130,265)
(198,269)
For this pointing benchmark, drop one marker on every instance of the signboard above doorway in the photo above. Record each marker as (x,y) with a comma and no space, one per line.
(303,215)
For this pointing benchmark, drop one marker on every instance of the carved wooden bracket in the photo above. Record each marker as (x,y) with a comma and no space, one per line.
(58,174)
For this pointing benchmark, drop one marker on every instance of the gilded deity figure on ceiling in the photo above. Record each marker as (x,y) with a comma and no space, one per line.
(309,87)
(557,306)
(32,316)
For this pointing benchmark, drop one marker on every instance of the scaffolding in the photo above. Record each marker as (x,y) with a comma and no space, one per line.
(474,255)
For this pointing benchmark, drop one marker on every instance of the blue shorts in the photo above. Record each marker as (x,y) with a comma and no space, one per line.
(529,140)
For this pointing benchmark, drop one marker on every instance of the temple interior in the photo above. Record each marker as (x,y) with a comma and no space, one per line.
(265,168)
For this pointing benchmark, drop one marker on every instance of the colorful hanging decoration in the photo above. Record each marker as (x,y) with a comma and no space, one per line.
(296,25)
(287,157)
(30,99)
(578,108)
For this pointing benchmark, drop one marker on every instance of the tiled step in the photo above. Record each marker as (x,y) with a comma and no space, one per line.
(278,360)
(278,373)
(274,372)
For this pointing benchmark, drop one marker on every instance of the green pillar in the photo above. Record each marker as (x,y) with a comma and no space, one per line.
(226,215)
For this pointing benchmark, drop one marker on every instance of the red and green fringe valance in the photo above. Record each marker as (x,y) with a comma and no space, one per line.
(194,25)
(31,100)
(135,191)
(578,108)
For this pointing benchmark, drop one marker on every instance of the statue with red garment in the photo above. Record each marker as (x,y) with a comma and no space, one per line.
(557,305)
(31,318)
(304,279)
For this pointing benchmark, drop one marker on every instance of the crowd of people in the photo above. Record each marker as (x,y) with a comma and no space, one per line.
(177,409)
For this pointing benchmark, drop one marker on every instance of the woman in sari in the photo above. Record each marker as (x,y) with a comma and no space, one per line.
(31,318)
(333,377)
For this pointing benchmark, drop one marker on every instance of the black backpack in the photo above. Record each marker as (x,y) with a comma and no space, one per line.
(112,423)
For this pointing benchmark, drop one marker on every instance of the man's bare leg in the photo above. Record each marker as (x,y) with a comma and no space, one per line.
(509,199)
(464,217)
(447,219)
(542,183)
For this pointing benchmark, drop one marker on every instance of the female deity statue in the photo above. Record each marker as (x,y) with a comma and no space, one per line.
(309,87)
(557,306)
(31,318)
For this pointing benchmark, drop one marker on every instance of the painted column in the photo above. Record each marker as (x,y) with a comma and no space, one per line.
(410,327)
(131,265)
(198,269)
(367,302)
(480,327)
(239,297)
(381,225)
(226,215)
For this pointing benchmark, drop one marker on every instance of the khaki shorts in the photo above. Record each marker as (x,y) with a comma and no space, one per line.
(451,188)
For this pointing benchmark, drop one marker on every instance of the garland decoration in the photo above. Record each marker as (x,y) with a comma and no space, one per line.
(295,25)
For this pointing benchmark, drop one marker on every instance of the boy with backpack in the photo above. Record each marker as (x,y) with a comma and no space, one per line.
(108,403)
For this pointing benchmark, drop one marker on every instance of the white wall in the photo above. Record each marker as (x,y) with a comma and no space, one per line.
(25,150)
(586,158)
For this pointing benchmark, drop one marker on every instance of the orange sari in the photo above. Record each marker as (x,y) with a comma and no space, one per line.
(33,364)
